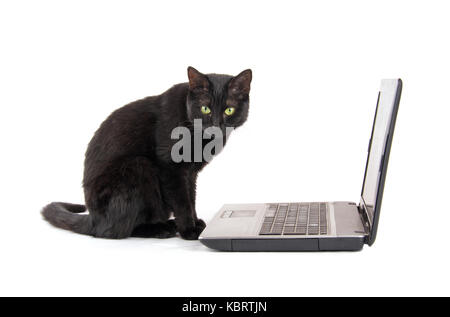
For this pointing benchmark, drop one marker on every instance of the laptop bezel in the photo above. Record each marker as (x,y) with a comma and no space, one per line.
(373,223)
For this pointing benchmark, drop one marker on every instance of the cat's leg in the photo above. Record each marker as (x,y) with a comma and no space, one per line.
(118,218)
(178,196)
(126,196)
(160,230)
(192,190)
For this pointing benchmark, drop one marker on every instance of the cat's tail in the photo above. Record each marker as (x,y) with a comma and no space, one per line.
(64,216)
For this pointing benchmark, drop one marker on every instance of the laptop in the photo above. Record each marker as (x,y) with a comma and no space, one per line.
(315,226)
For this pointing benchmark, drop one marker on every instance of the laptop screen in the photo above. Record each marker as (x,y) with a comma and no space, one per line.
(385,115)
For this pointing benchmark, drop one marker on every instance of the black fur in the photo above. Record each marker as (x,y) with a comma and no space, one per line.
(131,184)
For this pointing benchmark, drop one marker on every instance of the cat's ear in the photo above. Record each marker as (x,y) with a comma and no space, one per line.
(242,81)
(197,80)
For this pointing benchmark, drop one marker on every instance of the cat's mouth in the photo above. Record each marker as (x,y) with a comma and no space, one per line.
(213,132)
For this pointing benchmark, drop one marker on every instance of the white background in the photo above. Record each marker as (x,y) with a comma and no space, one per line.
(65,65)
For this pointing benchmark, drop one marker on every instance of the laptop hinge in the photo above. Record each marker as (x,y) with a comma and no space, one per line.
(364,217)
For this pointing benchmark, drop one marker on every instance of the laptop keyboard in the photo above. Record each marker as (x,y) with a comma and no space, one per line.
(295,219)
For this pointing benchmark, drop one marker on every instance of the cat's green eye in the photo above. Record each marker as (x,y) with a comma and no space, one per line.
(205,110)
(229,111)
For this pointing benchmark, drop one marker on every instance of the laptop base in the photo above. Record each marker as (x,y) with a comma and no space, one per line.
(291,244)
(242,227)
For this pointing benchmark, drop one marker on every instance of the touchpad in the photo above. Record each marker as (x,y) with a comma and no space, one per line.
(238,213)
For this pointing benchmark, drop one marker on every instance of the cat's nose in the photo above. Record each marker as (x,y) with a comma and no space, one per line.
(219,126)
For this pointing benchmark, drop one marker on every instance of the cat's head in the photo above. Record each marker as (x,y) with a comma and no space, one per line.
(218,100)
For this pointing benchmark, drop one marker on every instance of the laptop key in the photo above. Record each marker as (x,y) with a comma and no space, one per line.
(295,219)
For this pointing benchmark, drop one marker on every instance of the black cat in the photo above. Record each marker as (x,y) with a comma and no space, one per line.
(131,183)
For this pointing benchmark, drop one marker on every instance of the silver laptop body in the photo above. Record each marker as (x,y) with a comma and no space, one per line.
(315,226)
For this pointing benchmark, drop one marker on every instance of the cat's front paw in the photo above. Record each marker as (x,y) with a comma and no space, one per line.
(192,233)
(200,225)
(171,225)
